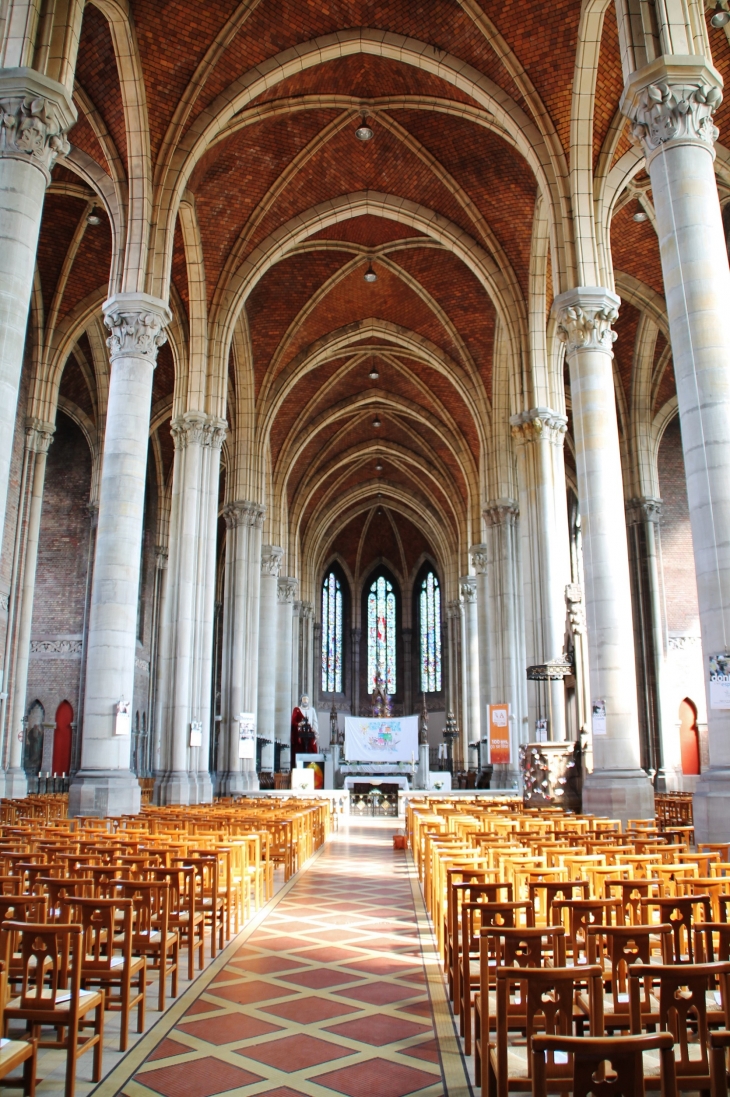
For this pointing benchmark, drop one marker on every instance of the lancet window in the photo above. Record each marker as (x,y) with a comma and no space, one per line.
(430,620)
(381,634)
(331,634)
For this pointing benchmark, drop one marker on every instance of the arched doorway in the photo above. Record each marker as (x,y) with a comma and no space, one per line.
(62,739)
(689,738)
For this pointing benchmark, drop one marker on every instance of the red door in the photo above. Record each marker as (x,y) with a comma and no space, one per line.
(689,742)
(62,739)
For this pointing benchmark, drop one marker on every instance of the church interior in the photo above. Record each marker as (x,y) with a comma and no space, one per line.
(364,546)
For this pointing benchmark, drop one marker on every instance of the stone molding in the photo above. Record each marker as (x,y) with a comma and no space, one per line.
(501,512)
(575,608)
(286,589)
(56,647)
(480,558)
(244,512)
(537,424)
(271,560)
(644,508)
(35,115)
(197,428)
(673,100)
(584,317)
(136,322)
(453,609)
(38,435)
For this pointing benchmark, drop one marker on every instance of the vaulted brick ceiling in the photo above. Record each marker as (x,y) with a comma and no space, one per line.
(315,328)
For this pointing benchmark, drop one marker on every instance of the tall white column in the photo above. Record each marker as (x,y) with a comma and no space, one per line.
(453,625)
(671,102)
(507,645)
(296,654)
(618,787)
(539,434)
(190,596)
(471,731)
(35,113)
(240,643)
(268,620)
(104,785)
(38,438)
(286,591)
(480,562)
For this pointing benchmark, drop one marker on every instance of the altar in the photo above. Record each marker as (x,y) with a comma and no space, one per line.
(387,782)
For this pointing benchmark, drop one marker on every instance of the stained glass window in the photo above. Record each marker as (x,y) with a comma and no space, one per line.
(331,635)
(430,614)
(381,634)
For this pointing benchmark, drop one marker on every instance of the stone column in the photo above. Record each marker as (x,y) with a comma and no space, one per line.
(38,438)
(355,675)
(480,562)
(191,594)
(506,645)
(472,724)
(240,656)
(618,787)
(104,785)
(306,685)
(296,655)
(539,434)
(268,618)
(286,590)
(453,625)
(671,102)
(35,114)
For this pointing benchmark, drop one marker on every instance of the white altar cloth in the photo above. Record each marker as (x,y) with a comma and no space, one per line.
(365,779)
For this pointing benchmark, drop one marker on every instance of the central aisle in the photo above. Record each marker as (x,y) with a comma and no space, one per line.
(336,989)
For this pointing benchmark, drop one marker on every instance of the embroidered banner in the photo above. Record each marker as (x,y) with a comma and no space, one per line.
(391,740)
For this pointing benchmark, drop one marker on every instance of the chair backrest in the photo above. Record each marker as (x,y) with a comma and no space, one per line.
(526,946)
(44,950)
(706,948)
(682,1005)
(103,937)
(591,1055)
(623,946)
(583,913)
(150,904)
(680,912)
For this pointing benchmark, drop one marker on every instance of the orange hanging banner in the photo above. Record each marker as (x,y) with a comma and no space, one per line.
(499,738)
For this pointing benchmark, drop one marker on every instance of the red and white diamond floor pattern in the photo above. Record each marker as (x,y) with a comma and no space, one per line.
(327,996)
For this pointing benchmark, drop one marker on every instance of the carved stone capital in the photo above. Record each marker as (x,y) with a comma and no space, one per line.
(35,115)
(216,432)
(244,512)
(38,435)
(271,560)
(480,558)
(584,317)
(673,100)
(468,588)
(188,430)
(575,608)
(539,424)
(287,588)
(306,611)
(645,508)
(136,322)
(453,609)
(501,512)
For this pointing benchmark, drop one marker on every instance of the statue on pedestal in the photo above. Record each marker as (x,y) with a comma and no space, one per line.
(382,706)
(304,727)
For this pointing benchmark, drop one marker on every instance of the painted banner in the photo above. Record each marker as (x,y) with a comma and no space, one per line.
(499,739)
(720,680)
(391,740)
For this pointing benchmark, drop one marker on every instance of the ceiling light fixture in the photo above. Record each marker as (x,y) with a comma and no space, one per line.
(363,131)
(370,275)
(379,467)
(641,214)
(376,421)
(373,375)
(93,219)
(721,18)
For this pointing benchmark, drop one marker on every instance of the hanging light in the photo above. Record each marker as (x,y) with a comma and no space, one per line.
(370,275)
(363,131)
(721,18)
(93,219)
(379,466)
(373,375)
(641,215)
(376,421)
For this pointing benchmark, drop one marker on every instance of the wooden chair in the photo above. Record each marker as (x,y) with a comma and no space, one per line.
(624,1056)
(460,892)
(682,995)
(680,912)
(107,959)
(184,915)
(15,1053)
(44,1001)
(582,913)
(151,933)
(548,995)
(208,899)
(719,1044)
(616,948)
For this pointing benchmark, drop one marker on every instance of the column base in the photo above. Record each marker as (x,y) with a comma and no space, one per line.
(104,792)
(14,784)
(618,794)
(173,788)
(203,787)
(236,782)
(711,805)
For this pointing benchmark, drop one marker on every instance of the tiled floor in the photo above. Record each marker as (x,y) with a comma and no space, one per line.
(334,989)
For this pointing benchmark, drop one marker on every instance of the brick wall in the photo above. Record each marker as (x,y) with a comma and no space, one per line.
(63,557)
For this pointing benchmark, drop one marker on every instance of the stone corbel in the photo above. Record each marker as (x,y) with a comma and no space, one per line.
(468,588)
(539,424)
(480,558)
(286,589)
(501,512)
(271,560)
(646,508)
(38,435)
